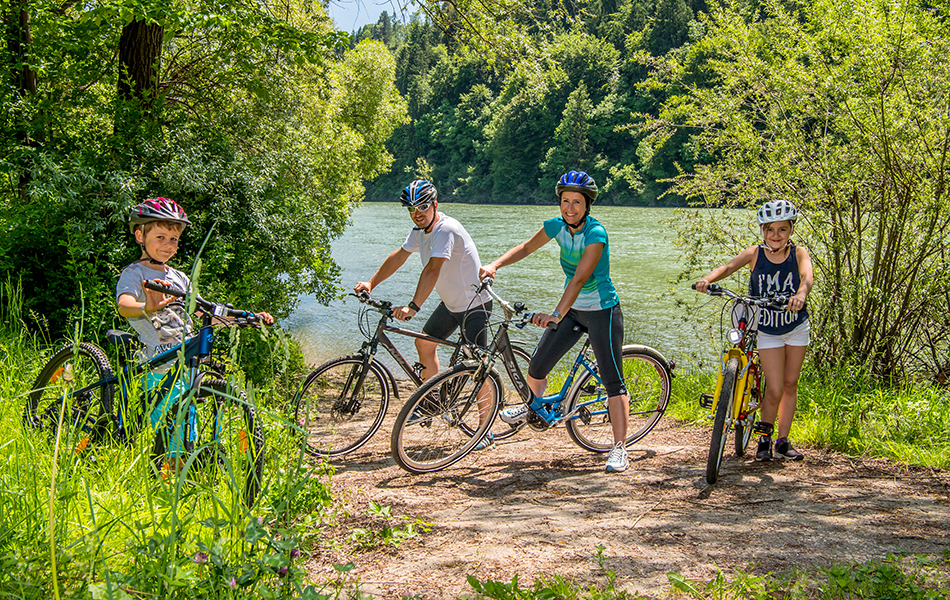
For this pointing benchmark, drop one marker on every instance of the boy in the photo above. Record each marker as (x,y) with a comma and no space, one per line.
(161,321)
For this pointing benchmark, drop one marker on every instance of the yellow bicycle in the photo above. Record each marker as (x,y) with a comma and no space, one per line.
(739,386)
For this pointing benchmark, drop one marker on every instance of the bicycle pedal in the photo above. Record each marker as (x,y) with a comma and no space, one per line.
(706,400)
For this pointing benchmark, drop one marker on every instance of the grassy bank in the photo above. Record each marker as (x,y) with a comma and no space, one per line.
(851,414)
(100,524)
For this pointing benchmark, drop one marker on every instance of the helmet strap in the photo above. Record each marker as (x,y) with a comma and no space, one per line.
(429,225)
(149,256)
(782,249)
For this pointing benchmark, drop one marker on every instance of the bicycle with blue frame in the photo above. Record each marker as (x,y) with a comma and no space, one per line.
(211,426)
(448,415)
(342,403)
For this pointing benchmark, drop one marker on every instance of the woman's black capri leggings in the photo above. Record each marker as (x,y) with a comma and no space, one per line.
(604,328)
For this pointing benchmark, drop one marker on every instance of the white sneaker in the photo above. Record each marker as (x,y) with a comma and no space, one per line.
(617,460)
(486,442)
(515,414)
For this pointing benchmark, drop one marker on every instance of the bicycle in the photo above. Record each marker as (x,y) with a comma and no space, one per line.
(739,387)
(441,423)
(342,403)
(219,429)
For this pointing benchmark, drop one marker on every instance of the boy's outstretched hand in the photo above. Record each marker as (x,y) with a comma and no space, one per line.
(266,317)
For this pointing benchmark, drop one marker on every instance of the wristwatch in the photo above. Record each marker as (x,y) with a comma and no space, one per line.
(413,306)
(556,314)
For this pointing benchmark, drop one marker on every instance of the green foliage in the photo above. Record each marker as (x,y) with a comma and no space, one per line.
(838,107)
(262,127)
(386,534)
(850,413)
(494,90)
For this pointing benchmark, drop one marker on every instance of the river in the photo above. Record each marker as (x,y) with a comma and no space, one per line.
(643,263)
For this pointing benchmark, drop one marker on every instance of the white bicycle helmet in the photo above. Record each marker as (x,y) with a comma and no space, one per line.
(777,210)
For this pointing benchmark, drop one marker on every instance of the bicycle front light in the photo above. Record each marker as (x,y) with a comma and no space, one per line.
(734,336)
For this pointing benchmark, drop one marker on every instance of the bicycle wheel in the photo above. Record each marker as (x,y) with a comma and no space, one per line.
(443,420)
(86,415)
(720,432)
(744,431)
(226,438)
(510,394)
(646,375)
(341,405)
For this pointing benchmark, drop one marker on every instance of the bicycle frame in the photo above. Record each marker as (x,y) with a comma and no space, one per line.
(500,346)
(747,378)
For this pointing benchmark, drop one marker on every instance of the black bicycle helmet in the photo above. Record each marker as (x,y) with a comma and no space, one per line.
(157,209)
(420,191)
(577,181)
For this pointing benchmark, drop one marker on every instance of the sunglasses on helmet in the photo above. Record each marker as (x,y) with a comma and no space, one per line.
(421,207)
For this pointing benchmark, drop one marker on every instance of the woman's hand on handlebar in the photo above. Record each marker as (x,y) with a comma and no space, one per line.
(544,320)
(796,302)
(266,317)
(701,286)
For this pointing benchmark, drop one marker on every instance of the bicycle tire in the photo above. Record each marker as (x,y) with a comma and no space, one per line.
(717,442)
(440,423)
(226,443)
(73,366)
(743,433)
(648,380)
(335,425)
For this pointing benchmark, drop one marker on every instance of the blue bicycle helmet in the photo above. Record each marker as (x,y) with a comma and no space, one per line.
(577,181)
(419,191)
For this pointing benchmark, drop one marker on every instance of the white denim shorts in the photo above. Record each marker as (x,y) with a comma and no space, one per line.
(796,337)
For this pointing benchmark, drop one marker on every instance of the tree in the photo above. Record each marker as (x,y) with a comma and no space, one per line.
(250,115)
(571,149)
(842,108)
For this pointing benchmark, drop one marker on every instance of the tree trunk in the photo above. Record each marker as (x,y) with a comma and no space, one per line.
(140,53)
(23,79)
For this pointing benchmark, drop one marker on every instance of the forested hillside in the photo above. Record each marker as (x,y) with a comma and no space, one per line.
(499,122)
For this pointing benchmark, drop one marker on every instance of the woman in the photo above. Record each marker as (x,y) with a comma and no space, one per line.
(589,300)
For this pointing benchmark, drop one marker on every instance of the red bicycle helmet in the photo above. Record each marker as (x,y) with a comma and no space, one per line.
(157,209)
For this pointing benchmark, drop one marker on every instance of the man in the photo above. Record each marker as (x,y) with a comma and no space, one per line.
(450,265)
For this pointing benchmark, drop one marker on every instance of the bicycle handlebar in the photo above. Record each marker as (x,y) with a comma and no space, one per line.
(382,306)
(772,300)
(212,308)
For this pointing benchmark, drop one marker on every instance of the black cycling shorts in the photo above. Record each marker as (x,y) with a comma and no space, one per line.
(474,323)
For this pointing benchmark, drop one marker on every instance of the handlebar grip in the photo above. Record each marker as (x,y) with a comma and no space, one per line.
(165,289)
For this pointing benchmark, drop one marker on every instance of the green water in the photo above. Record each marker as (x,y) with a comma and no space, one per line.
(642,258)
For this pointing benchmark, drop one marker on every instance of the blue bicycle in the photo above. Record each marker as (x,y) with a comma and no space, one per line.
(448,415)
(211,425)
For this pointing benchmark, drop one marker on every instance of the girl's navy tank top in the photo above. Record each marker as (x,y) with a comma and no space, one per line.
(784,279)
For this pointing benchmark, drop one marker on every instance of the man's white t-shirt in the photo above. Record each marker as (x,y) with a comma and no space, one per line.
(458,278)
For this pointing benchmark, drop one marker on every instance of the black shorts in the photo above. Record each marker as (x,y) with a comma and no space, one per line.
(605,330)
(474,323)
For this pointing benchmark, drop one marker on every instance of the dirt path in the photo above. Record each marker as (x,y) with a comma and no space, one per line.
(539,505)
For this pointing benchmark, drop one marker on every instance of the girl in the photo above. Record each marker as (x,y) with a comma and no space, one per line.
(781,267)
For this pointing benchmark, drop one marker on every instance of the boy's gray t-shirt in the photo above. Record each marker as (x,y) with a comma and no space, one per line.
(164,328)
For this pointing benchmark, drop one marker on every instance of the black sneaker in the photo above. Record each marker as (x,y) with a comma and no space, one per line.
(764,452)
(783,449)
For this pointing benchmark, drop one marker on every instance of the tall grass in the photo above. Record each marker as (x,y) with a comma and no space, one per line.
(101,524)
(850,413)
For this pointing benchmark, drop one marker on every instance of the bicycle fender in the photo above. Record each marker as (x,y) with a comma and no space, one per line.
(670,365)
